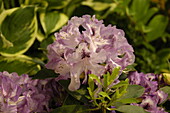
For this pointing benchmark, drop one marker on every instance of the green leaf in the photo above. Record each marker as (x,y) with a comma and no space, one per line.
(149,46)
(20,64)
(71,6)
(106,76)
(45,73)
(49,40)
(157,27)
(97,6)
(108,79)
(114,74)
(37,3)
(1,6)
(122,6)
(166,89)
(5,13)
(94,77)
(57,4)
(71,109)
(128,100)
(164,54)
(10,4)
(4,42)
(19,28)
(69,100)
(90,92)
(91,83)
(78,94)
(52,21)
(149,14)
(112,8)
(131,109)
(120,91)
(128,69)
(139,9)
(104,94)
(133,91)
(40,35)
(120,84)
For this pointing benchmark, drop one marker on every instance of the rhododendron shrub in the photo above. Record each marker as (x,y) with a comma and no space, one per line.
(86,46)
(92,67)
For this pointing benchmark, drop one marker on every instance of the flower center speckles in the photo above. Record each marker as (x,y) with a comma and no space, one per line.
(85,54)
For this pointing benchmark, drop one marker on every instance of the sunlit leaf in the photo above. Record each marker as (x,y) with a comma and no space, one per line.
(104,94)
(40,36)
(114,74)
(120,91)
(5,13)
(52,21)
(91,83)
(98,6)
(55,4)
(90,91)
(19,28)
(37,3)
(1,6)
(128,100)
(95,77)
(4,42)
(120,84)
(71,6)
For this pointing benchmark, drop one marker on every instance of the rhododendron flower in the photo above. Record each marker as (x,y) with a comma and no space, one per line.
(152,96)
(20,94)
(84,46)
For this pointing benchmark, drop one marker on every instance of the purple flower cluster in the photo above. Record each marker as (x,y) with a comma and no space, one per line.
(20,94)
(152,96)
(85,45)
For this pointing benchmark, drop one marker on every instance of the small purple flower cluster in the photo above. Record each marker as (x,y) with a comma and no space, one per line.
(152,96)
(21,94)
(86,46)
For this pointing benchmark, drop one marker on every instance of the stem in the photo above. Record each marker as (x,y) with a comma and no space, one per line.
(103,109)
